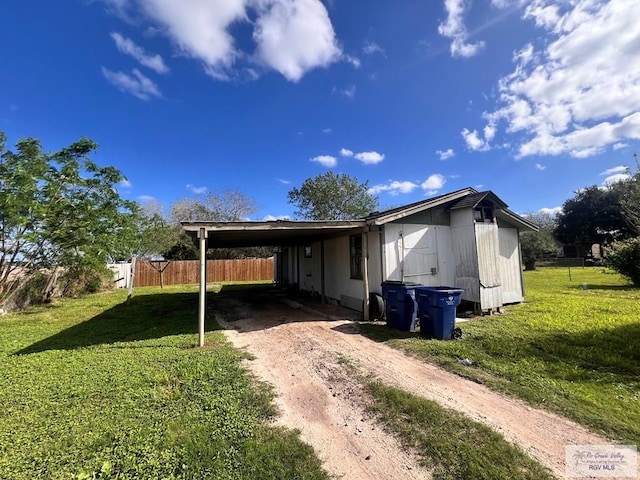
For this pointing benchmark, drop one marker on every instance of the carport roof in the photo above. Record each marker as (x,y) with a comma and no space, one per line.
(271,233)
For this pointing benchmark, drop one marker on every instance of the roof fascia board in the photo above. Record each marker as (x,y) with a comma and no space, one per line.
(268,226)
(426,205)
(517,219)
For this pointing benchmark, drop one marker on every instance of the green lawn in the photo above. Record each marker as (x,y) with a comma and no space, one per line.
(573,348)
(92,389)
(448,443)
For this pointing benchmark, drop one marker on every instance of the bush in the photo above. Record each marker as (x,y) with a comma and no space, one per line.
(26,293)
(624,257)
(81,280)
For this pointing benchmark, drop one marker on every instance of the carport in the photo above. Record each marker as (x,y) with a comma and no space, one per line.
(279,233)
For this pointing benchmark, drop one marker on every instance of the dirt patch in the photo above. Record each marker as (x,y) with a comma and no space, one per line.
(308,356)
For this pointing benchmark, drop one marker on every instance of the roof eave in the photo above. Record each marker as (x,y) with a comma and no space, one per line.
(523,224)
(417,208)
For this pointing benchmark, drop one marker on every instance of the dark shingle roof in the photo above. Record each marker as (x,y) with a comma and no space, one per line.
(472,201)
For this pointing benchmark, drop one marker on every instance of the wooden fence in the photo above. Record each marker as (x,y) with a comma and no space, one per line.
(183,272)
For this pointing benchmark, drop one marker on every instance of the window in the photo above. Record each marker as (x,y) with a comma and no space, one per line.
(483,214)
(355,255)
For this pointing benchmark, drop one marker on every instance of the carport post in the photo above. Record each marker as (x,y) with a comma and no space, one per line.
(365,274)
(202,236)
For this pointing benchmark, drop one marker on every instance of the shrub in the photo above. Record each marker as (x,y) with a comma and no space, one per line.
(81,280)
(624,257)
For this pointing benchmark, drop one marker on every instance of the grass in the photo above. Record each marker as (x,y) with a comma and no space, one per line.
(452,446)
(94,389)
(573,348)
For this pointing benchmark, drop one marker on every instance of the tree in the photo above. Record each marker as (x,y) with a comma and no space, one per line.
(56,210)
(624,257)
(593,215)
(146,235)
(538,244)
(227,206)
(332,197)
(629,194)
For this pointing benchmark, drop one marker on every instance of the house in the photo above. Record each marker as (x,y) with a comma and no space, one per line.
(466,239)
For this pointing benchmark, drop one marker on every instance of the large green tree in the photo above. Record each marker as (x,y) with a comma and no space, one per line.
(536,245)
(56,209)
(623,255)
(629,195)
(332,197)
(593,215)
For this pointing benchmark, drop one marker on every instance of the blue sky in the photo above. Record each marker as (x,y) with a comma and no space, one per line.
(531,99)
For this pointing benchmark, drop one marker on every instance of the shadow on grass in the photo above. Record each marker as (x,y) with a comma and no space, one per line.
(616,288)
(147,317)
(614,350)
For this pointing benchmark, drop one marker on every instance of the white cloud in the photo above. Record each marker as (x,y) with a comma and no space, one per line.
(327,130)
(614,170)
(136,84)
(345,152)
(370,158)
(354,61)
(525,55)
(618,177)
(125,184)
(453,27)
(127,46)
(291,36)
(619,145)
(581,92)
(295,36)
(551,211)
(445,154)
(271,218)
(372,47)
(283,181)
(325,160)
(474,141)
(348,92)
(147,199)
(199,28)
(196,190)
(539,166)
(433,183)
(394,188)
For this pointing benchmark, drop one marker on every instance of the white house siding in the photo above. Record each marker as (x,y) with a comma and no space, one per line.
(418,253)
(510,265)
(465,254)
(375,262)
(310,269)
(338,284)
(489,265)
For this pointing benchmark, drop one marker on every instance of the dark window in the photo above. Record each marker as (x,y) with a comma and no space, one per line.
(355,251)
(483,214)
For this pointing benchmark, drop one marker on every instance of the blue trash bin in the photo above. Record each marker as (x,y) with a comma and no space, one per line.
(400,307)
(437,310)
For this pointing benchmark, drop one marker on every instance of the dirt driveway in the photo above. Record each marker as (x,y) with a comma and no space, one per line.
(307,355)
